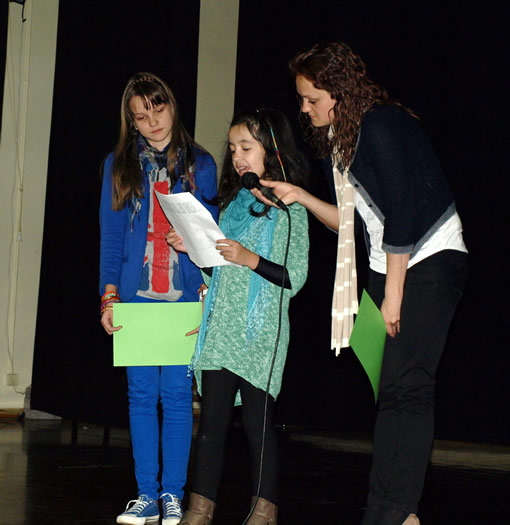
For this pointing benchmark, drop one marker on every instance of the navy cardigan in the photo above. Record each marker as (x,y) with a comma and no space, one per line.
(398,174)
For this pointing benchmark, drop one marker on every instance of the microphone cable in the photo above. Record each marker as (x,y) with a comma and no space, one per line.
(277,341)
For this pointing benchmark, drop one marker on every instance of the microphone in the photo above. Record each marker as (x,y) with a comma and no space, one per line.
(250,180)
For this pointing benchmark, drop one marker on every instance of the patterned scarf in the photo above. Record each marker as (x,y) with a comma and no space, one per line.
(151,161)
(345,293)
(239,225)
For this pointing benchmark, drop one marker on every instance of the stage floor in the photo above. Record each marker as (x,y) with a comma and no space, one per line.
(45,479)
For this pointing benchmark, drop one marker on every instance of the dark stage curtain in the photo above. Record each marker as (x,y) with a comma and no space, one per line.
(100,45)
(447,61)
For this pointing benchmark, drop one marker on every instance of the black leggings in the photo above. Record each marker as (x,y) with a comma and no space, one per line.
(405,421)
(219,388)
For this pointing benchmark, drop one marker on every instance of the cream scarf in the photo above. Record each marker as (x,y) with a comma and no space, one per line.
(345,293)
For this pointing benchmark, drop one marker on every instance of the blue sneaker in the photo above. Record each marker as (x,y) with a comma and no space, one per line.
(172,509)
(140,511)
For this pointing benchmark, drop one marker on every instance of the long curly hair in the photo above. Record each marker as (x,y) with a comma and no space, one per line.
(127,179)
(337,69)
(263,124)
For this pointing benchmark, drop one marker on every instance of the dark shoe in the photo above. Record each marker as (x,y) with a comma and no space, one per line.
(200,511)
(264,513)
(172,509)
(381,515)
(140,511)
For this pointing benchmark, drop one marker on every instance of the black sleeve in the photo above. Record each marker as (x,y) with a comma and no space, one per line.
(208,271)
(327,169)
(273,272)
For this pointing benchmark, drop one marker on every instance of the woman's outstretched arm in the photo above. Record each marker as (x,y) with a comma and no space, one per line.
(288,193)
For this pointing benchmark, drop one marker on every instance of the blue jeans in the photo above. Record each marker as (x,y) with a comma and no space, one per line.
(147,386)
(405,419)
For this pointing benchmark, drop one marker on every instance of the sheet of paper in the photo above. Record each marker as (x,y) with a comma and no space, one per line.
(368,338)
(153,333)
(194,223)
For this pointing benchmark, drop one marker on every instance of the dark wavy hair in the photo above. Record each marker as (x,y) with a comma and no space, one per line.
(127,179)
(337,69)
(260,123)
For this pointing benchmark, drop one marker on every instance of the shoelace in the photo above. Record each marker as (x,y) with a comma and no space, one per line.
(139,505)
(172,504)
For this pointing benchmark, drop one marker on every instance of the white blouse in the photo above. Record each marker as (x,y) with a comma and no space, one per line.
(447,237)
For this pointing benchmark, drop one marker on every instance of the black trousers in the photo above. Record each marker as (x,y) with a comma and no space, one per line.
(405,419)
(219,388)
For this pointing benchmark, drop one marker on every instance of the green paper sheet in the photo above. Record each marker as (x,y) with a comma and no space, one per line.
(368,338)
(153,333)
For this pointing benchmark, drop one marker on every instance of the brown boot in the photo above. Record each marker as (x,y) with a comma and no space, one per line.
(200,511)
(264,513)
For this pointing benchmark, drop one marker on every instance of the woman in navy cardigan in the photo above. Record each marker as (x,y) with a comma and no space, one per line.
(381,165)
(154,153)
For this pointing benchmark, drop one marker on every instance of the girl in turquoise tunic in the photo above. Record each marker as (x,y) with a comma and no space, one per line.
(233,361)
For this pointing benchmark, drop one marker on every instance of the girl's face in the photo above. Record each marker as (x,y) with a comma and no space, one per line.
(316,103)
(247,153)
(155,123)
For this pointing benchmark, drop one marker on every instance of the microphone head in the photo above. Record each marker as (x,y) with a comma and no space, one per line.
(249,180)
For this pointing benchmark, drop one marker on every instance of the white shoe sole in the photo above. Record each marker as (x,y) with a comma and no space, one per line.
(171,521)
(133,520)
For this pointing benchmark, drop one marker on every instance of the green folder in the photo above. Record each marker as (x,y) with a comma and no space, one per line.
(368,338)
(154,333)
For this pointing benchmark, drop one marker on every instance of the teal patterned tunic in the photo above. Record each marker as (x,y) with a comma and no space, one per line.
(227,342)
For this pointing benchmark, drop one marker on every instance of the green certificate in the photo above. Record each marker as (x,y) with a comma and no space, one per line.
(368,338)
(154,333)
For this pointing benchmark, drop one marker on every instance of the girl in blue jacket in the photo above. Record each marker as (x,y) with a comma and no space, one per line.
(154,152)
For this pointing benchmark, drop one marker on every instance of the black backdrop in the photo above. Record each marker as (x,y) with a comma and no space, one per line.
(99,46)
(447,60)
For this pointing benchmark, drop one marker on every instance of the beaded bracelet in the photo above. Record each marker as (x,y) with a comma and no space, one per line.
(103,310)
(109,295)
(107,301)
(107,306)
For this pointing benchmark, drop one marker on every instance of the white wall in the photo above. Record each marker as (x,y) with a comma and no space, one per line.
(216,73)
(24,145)
(28,95)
